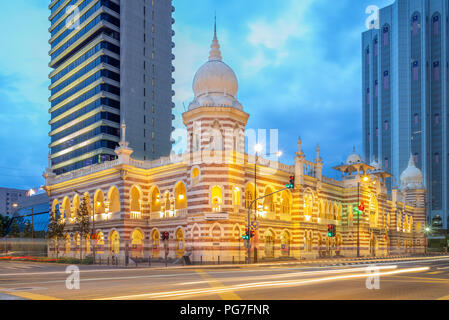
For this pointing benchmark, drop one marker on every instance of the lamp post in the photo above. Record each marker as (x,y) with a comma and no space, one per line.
(365,179)
(427,231)
(257,148)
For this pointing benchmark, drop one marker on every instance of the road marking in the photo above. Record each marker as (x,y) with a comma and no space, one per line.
(443,298)
(218,285)
(443,268)
(435,272)
(29,295)
(423,278)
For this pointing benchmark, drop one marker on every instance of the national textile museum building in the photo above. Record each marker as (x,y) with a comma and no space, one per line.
(202,196)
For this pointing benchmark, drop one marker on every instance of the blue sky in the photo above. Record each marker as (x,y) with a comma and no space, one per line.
(298,63)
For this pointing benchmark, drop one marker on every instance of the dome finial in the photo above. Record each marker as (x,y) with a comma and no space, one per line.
(215,27)
(411,162)
(215,53)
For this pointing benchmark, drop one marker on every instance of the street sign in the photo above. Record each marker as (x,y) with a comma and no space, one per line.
(255,225)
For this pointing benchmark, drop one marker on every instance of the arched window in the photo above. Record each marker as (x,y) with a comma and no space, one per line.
(249,195)
(285,244)
(286,202)
(156,236)
(180,196)
(216,199)
(155,205)
(135,206)
(76,205)
(137,244)
(339,212)
(237,196)
(114,242)
(100,243)
(114,200)
(66,211)
(55,209)
(99,202)
(195,175)
(269,205)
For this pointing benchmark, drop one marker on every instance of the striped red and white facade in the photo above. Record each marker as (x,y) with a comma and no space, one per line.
(202,197)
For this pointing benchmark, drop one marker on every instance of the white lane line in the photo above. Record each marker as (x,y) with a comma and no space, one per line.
(443,268)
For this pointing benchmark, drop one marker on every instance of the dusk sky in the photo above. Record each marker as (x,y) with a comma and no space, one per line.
(298,63)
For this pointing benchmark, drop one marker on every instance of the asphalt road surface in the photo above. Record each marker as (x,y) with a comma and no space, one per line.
(402,279)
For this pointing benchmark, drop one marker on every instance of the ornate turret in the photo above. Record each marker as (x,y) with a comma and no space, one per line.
(124,151)
(412,177)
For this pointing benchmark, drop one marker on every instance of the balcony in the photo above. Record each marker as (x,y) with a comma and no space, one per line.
(169,214)
(135,215)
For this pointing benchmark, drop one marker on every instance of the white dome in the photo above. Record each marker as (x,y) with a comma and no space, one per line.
(376,165)
(354,158)
(215,77)
(412,177)
(215,83)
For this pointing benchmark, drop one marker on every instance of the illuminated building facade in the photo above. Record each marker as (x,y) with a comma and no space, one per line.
(202,197)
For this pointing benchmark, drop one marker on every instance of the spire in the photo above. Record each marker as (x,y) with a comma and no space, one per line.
(411,162)
(215,53)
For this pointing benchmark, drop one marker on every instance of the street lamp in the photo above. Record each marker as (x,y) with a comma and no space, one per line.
(258,149)
(427,231)
(365,178)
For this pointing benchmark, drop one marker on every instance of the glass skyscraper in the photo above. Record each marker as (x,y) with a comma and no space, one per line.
(112,63)
(406,94)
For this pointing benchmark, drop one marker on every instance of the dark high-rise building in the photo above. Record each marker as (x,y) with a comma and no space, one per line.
(406,95)
(112,63)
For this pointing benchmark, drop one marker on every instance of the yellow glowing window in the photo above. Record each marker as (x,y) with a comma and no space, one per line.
(195,173)
(237,196)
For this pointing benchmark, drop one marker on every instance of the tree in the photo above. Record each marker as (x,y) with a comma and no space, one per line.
(55,230)
(27,230)
(4,223)
(82,221)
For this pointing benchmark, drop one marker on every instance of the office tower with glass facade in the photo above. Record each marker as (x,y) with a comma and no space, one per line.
(111,62)
(406,94)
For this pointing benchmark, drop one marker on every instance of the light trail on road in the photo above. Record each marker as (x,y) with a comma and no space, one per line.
(260,285)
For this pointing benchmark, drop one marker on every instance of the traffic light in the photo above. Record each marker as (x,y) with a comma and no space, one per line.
(331,230)
(361,207)
(165,236)
(246,235)
(253,233)
(291,184)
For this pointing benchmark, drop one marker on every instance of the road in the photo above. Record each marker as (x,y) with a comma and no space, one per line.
(403,279)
